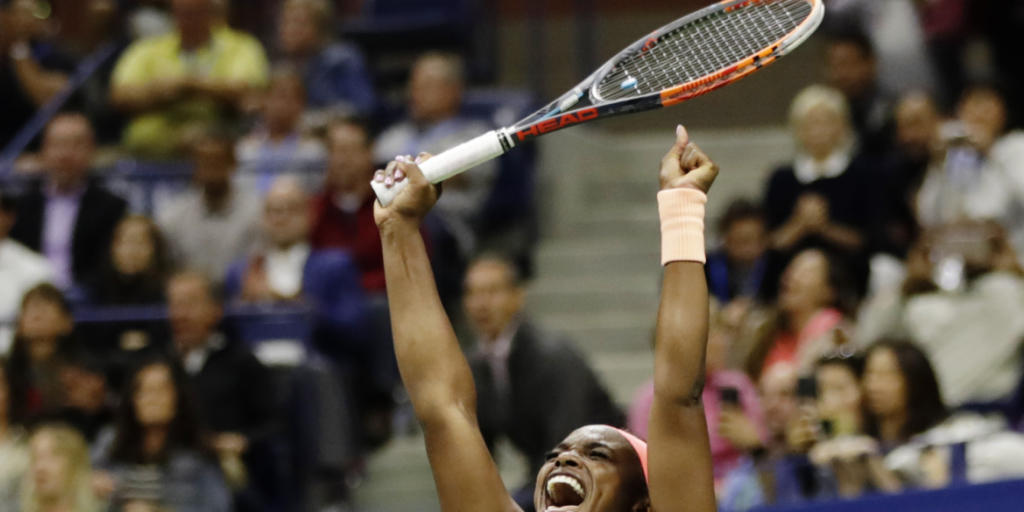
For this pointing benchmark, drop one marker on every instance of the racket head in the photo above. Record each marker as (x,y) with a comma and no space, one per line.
(707,49)
(691,56)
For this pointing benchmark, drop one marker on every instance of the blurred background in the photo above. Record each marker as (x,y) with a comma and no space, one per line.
(192,307)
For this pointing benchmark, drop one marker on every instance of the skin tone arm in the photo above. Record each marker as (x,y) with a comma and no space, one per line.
(40,84)
(680,454)
(433,368)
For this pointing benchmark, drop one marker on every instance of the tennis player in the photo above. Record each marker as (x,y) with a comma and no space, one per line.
(596,468)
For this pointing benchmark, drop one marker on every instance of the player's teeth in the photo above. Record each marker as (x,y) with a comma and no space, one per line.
(568,480)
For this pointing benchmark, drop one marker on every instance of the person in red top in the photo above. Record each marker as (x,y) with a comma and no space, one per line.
(343,211)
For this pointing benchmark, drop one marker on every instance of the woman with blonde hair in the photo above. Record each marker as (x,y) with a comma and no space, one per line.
(59,477)
(822,199)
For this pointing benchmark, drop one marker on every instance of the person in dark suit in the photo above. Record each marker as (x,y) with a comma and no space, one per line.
(66,216)
(518,368)
(233,389)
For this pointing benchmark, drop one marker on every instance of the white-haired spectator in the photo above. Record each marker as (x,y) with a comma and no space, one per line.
(822,198)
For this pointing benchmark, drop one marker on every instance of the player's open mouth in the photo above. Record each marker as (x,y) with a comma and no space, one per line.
(564,493)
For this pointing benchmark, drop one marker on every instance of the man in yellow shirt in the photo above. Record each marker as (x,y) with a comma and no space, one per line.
(176,82)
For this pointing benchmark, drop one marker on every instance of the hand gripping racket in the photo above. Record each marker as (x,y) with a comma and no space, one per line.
(693,55)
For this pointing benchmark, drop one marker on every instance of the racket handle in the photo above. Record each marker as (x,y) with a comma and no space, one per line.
(453,161)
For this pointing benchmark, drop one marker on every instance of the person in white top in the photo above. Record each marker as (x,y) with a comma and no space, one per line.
(20,270)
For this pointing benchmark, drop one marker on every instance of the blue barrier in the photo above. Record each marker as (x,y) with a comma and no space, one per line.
(993,497)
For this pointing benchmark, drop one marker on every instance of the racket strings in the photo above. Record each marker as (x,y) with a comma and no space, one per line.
(702,47)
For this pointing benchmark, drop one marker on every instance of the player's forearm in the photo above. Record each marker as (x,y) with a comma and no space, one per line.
(430,360)
(681,334)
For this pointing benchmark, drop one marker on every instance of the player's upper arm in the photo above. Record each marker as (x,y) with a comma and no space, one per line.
(466,476)
(680,457)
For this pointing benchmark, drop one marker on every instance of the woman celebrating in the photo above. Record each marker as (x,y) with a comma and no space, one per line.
(596,468)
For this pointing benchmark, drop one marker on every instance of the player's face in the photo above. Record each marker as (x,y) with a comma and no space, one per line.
(593,470)
(491,297)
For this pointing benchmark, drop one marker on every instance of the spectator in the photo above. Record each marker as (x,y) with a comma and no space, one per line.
(777,472)
(287,269)
(969,268)
(843,450)
(13,449)
(851,68)
(44,328)
(903,396)
(737,269)
(333,72)
(32,69)
(923,442)
(516,365)
(735,422)
(810,309)
(231,386)
(59,476)
(136,268)
(917,138)
(894,29)
(822,198)
(86,406)
(277,146)
(980,175)
(68,217)
(343,211)
(434,124)
(158,456)
(20,270)
(182,80)
(215,222)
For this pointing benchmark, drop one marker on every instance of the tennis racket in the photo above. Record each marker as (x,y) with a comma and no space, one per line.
(691,56)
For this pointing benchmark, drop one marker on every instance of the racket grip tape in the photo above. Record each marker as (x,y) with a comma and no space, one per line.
(453,161)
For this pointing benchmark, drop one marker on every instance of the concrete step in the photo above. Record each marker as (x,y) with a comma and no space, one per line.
(617,330)
(594,295)
(595,256)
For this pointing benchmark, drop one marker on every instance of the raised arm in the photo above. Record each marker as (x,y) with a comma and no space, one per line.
(434,371)
(680,455)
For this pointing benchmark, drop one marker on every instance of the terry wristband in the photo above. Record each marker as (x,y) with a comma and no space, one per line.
(682,225)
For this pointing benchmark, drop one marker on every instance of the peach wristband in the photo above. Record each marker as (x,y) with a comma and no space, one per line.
(682,224)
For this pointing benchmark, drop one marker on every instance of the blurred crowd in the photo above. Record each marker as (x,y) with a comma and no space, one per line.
(225,344)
